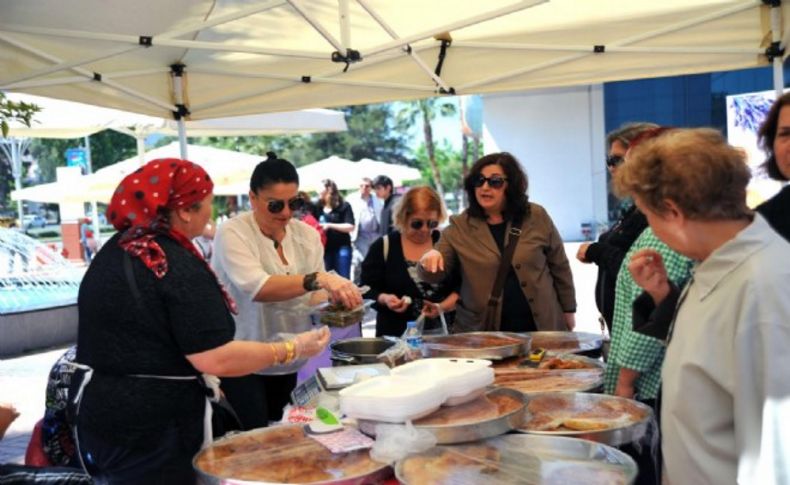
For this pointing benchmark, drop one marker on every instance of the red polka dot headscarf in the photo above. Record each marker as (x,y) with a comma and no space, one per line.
(168,183)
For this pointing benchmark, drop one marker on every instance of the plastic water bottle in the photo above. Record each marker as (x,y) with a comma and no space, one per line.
(413,336)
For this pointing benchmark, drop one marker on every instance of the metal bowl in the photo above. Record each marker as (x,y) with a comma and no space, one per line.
(439,346)
(521,459)
(355,351)
(232,457)
(614,436)
(450,434)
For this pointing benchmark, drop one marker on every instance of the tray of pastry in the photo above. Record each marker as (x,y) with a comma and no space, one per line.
(519,459)
(477,345)
(552,361)
(492,414)
(562,373)
(602,418)
(566,342)
(284,454)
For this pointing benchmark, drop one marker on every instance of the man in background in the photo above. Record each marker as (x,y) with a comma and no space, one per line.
(366,209)
(385,192)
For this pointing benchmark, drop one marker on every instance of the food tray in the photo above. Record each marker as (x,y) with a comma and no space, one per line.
(335,315)
(283,454)
(512,406)
(621,433)
(519,459)
(531,381)
(516,361)
(472,345)
(566,342)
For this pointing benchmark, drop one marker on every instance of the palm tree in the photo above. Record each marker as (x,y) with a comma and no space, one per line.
(427,110)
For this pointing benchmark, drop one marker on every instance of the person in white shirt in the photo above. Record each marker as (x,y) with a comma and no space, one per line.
(367,208)
(271,264)
(725,400)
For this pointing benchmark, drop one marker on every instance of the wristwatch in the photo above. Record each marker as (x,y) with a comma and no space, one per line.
(310,282)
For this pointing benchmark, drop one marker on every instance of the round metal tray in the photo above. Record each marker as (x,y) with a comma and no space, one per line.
(516,361)
(566,342)
(522,459)
(612,436)
(450,434)
(240,451)
(434,346)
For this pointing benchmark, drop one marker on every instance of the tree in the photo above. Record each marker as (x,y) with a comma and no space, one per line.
(426,110)
(448,162)
(15,111)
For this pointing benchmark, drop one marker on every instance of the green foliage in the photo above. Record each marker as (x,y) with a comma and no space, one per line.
(15,111)
(449,162)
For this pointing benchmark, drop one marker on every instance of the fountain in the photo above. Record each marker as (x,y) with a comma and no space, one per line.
(38,295)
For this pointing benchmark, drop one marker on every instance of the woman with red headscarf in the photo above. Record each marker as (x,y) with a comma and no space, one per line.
(155,326)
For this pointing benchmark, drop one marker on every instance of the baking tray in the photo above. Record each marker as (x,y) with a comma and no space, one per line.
(566,342)
(450,434)
(520,459)
(516,361)
(612,436)
(434,346)
(234,458)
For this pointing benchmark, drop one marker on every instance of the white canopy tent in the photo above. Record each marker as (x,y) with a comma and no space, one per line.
(347,174)
(201,59)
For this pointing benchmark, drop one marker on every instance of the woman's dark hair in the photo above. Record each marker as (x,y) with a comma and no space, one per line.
(273,170)
(332,197)
(766,136)
(516,200)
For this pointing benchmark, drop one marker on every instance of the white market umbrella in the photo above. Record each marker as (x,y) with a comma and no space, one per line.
(343,172)
(398,173)
(218,58)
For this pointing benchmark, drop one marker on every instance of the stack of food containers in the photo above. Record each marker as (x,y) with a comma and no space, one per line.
(417,389)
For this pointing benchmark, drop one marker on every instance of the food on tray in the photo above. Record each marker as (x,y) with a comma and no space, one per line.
(533,380)
(473,341)
(458,464)
(282,455)
(566,413)
(484,408)
(336,315)
(564,363)
(594,474)
(556,342)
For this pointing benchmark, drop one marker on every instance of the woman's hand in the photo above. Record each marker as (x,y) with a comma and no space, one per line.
(340,290)
(397,305)
(624,390)
(570,320)
(581,254)
(432,261)
(431,310)
(647,269)
(311,343)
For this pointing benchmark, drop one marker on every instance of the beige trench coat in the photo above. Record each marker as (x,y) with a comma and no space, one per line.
(539,261)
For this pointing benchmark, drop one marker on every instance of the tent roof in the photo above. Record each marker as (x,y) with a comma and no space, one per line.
(245,57)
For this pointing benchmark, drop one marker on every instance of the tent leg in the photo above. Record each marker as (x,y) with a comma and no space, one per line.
(178,93)
(94,205)
(776,37)
(182,138)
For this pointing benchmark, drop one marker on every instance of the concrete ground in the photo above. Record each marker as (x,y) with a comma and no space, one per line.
(23,379)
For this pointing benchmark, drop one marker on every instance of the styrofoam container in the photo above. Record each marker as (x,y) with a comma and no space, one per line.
(461,380)
(392,399)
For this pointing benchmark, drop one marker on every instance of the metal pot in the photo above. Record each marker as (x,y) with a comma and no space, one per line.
(355,351)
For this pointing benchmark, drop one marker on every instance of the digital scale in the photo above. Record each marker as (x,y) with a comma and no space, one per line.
(332,379)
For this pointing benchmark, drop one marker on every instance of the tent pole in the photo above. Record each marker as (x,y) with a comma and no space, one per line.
(178,93)
(94,205)
(16,169)
(140,148)
(776,37)
(345,27)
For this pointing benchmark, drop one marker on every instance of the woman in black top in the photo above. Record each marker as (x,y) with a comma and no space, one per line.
(390,267)
(610,249)
(337,219)
(152,319)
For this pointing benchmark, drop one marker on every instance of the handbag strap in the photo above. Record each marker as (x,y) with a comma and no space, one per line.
(504,266)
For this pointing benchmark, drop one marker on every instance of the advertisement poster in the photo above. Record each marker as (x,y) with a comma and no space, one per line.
(745,113)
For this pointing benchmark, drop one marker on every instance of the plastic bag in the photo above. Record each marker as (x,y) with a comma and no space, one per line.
(398,354)
(395,441)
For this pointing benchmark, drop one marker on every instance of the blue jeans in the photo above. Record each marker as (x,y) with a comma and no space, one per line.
(339,260)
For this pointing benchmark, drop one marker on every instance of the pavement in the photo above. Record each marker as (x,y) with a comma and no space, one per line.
(23,379)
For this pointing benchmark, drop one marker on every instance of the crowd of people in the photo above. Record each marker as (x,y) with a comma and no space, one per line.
(690,287)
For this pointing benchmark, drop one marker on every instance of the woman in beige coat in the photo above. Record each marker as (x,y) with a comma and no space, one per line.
(538,292)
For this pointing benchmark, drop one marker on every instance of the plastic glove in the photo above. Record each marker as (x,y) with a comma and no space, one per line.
(313,342)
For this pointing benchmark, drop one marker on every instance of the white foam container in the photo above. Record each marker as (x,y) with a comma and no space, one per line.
(460,380)
(391,399)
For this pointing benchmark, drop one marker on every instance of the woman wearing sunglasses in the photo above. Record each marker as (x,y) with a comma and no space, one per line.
(272,263)
(390,267)
(537,292)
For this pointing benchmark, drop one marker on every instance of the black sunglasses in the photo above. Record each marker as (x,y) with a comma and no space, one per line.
(277,206)
(417,224)
(494,181)
(614,160)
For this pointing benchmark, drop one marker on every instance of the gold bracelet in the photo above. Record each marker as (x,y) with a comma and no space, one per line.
(275,358)
(290,351)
